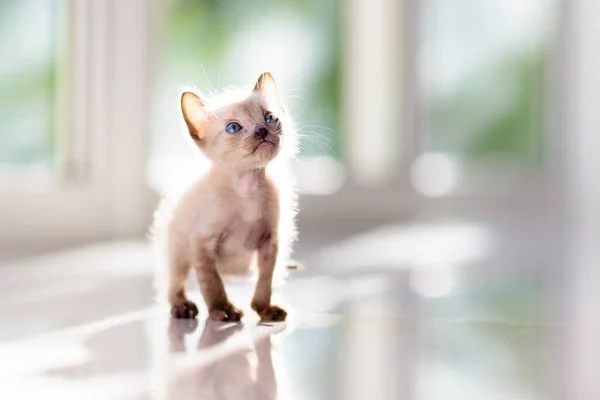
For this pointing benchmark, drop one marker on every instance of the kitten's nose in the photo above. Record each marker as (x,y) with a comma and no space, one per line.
(261,132)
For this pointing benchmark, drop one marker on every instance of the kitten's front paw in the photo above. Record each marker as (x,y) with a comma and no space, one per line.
(271,313)
(185,309)
(227,313)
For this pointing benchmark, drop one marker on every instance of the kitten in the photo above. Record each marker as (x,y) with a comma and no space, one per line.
(240,212)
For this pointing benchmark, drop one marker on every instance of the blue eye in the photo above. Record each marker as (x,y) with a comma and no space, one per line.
(270,118)
(233,127)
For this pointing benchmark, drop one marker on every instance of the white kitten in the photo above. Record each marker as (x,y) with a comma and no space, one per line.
(239,213)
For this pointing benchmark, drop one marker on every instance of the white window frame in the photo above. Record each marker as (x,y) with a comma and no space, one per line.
(103,96)
(378,117)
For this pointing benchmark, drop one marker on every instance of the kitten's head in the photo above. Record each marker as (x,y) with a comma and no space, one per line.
(244,132)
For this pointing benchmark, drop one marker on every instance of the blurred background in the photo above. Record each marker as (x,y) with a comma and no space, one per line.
(451,145)
(396,101)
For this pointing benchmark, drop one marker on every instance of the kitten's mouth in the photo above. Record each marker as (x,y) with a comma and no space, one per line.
(261,143)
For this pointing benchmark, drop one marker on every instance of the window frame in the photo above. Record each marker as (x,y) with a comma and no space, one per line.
(391,194)
(506,178)
(100,191)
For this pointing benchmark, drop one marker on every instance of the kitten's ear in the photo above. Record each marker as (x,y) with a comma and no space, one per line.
(192,108)
(267,86)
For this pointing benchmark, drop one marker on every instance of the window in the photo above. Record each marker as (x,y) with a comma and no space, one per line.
(486,93)
(73,119)
(29,50)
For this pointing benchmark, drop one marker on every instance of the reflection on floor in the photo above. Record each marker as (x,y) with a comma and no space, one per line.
(81,325)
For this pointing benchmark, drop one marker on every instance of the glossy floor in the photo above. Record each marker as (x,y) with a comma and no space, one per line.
(430,311)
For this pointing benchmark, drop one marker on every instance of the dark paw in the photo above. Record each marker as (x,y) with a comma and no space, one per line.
(227,313)
(271,314)
(186,310)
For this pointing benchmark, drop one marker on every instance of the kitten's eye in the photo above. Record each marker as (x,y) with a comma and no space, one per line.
(270,118)
(233,127)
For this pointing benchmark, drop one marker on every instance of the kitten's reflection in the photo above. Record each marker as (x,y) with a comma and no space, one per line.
(230,377)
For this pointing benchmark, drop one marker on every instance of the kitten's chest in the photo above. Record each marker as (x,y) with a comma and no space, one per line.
(249,202)
(248,223)
(248,211)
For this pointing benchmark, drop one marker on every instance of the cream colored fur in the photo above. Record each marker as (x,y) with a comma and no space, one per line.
(228,214)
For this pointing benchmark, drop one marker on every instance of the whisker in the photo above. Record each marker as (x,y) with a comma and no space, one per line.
(291,96)
(313,134)
(210,85)
(297,116)
(315,137)
(312,124)
(304,127)
(320,141)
